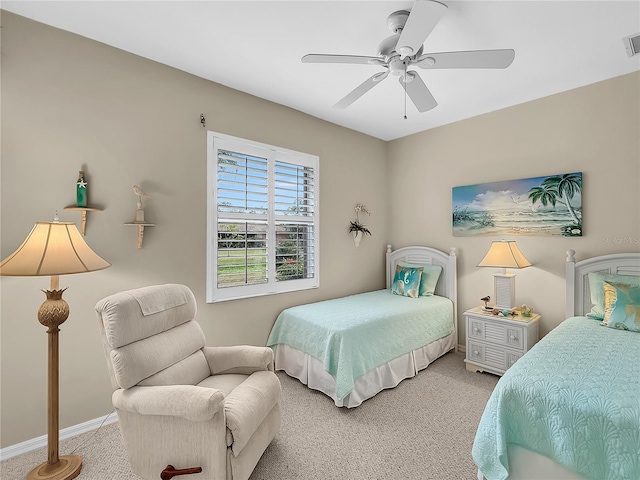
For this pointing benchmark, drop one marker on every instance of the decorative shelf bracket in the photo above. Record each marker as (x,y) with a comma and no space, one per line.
(140,230)
(83,215)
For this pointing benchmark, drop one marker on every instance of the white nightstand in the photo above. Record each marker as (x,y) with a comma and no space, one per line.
(494,343)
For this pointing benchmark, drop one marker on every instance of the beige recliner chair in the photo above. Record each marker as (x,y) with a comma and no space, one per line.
(182,405)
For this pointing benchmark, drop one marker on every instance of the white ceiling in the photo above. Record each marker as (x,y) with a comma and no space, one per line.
(256,46)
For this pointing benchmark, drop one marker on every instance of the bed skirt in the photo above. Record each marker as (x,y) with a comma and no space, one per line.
(527,465)
(311,372)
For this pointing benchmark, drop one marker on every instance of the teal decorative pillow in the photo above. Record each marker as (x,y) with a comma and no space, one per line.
(406,281)
(621,307)
(430,276)
(596,287)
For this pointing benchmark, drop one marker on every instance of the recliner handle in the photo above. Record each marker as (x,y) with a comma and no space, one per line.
(170,471)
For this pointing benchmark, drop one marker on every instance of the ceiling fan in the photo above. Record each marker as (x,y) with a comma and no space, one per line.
(405,48)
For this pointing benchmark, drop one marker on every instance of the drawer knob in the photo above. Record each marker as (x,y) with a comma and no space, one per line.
(476,329)
(513,337)
(476,353)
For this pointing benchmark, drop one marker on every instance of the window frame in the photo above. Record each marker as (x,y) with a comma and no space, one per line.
(218,141)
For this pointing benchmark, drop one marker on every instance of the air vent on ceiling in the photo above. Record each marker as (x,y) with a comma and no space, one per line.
(632,44)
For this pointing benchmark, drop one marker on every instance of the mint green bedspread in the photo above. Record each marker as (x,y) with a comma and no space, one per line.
(574,398)
(354,334)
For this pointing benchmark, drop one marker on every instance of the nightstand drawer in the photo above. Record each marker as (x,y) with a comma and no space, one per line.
(491,356)
(475,352)
(515,336)
(512,357)
(497,333)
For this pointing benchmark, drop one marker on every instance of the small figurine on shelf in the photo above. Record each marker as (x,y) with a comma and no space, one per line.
(81,190)
(525,311)
(486,302)
(140,211)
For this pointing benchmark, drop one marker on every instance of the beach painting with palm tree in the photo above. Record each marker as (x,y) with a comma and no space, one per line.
(550,205)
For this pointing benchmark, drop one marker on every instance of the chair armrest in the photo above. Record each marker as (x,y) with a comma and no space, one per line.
(248,405)
(242,359)
(194,403)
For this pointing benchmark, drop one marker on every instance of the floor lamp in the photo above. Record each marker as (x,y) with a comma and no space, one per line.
(53,249)
(504,254)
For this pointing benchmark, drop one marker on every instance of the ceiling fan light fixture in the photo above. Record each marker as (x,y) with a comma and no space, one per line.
(397,66)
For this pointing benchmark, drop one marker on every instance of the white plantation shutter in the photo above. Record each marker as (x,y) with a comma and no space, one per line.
(242,183)
(262,219)
(242,205)
(294,207)
(241,259)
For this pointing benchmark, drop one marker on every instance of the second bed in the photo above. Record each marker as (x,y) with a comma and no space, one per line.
(353,347)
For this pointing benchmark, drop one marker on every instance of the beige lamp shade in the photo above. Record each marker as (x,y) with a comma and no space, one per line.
(52,248)
(504,254)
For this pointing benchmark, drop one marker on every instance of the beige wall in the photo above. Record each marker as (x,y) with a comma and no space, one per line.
(594,130)
(69,103)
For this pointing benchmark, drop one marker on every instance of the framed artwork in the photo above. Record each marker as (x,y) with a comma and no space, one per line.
(550,205)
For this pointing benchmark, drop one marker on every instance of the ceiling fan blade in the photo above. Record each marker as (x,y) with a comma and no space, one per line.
(321,58)
(418,92)
(423,17)
(361,89)
(472,59)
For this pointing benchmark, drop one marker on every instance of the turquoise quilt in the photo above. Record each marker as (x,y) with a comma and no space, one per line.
(574,398)
(354,334)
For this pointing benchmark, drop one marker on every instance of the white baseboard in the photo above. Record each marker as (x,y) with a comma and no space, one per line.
(39,442)
(35,443)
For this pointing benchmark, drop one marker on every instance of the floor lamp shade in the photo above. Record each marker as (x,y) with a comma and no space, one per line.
(504,254)
(53,249)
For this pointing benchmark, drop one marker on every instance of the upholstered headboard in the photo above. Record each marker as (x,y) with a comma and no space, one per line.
(577,276)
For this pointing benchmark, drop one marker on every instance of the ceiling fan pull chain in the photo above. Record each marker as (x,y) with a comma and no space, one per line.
(405,91)
(405,104)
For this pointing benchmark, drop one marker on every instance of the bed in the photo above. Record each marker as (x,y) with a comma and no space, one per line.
(570,407)
(353,347)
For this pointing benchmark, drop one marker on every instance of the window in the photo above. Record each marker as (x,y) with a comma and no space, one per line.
(262,219)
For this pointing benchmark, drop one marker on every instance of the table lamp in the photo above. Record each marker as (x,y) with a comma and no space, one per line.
(504,254)
(53,249)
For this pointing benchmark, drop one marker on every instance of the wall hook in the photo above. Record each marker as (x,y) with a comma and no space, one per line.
(203,120)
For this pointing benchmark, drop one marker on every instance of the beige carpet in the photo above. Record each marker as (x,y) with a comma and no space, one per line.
(422,429)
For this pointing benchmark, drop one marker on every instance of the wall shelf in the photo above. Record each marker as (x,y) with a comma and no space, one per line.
(83,214)
(140,230)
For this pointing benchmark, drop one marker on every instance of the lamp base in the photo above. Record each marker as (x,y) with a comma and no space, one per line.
(504,287)
(68,467)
